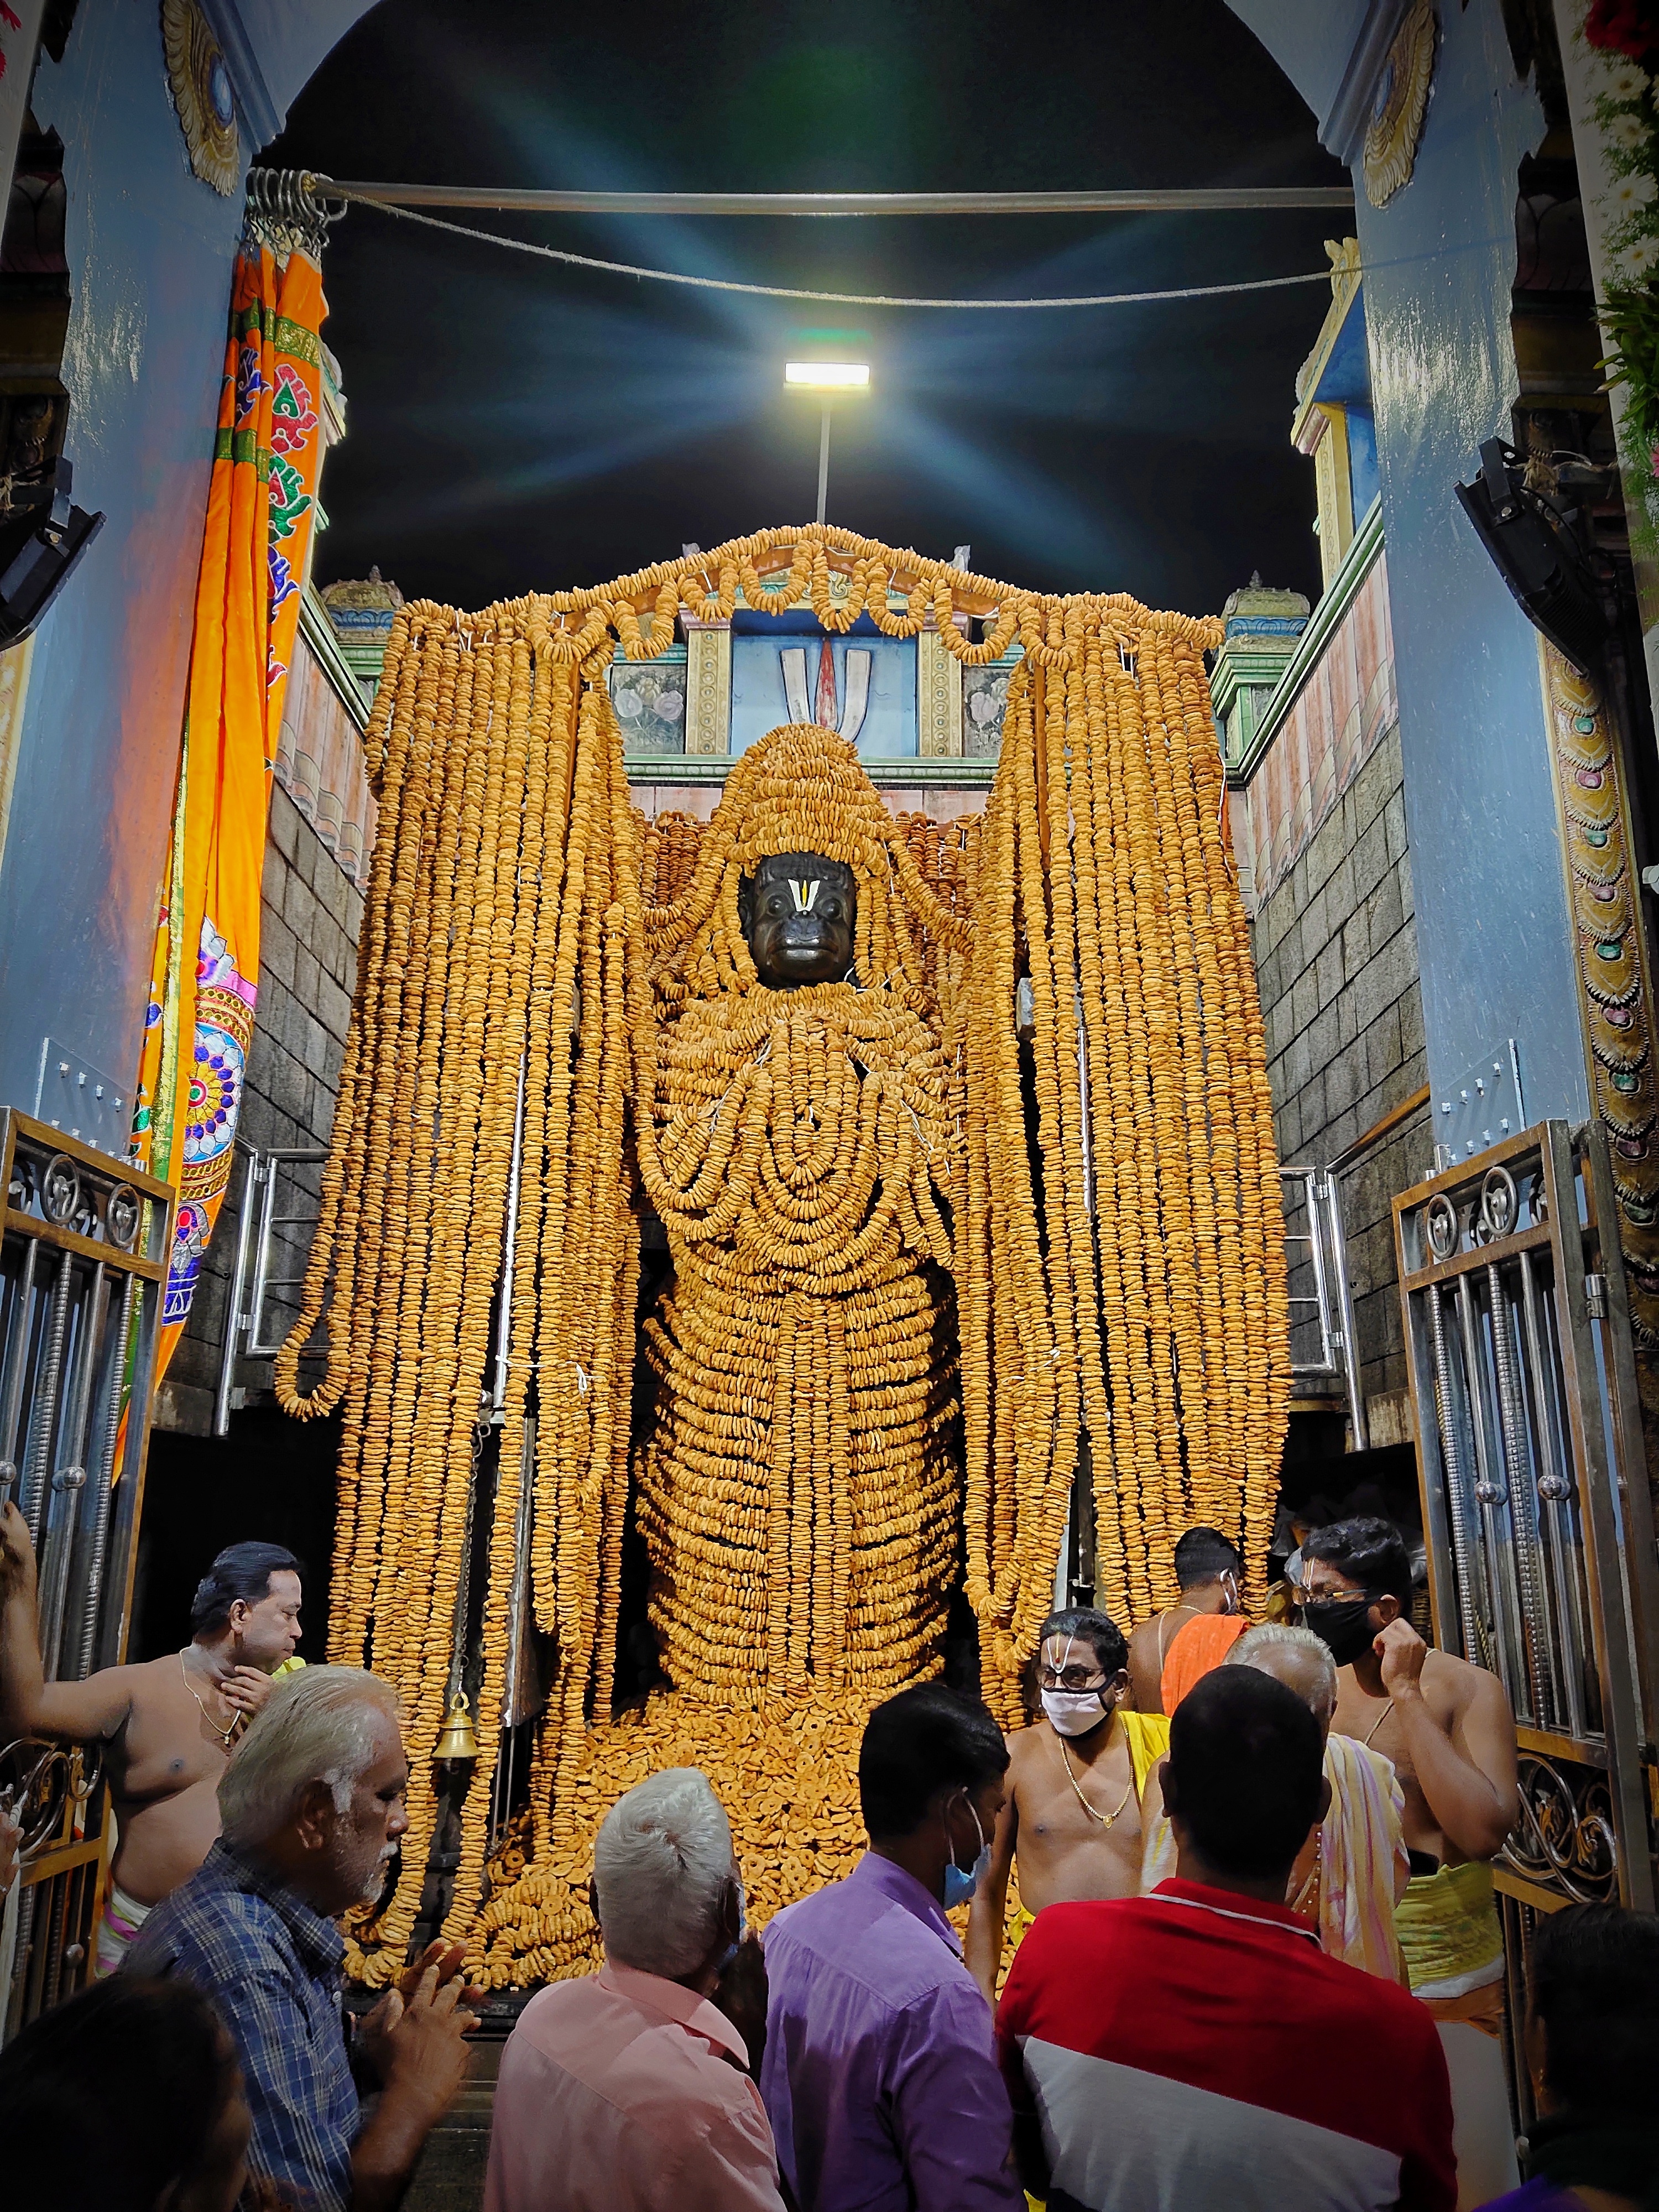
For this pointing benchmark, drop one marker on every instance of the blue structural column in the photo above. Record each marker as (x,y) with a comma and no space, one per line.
(1494,933)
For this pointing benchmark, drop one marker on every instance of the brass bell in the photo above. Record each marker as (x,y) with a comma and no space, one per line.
(458,1739)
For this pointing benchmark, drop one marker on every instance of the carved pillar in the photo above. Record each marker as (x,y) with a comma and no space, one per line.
(707,688)
(938,697)
(1615,993)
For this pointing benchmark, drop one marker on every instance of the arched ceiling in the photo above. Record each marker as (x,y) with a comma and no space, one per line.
(515,425)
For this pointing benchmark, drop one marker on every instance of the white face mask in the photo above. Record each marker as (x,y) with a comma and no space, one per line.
(1074,1712)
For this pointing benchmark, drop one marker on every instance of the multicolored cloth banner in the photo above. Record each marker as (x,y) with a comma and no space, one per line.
(204,979)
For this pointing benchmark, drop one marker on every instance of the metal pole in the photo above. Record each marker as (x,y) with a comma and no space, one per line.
(824,462)
(1182,200)
(1512,1442)
(100,1505)
(1554,1493)
(1451,1451)
(238,1285)
(68,1481)
(1344,1298)
(504,1319)
(1490,1492)
(43,1417)
(16,1356)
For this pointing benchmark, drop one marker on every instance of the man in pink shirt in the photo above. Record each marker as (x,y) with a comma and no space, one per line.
(628,2090)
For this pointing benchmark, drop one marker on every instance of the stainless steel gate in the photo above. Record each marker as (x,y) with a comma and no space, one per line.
(1536,1505)
(81,1263)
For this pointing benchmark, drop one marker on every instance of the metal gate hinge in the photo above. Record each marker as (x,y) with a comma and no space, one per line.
(1596,1296)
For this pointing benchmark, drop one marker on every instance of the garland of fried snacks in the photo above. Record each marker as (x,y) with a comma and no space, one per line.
(825,1162)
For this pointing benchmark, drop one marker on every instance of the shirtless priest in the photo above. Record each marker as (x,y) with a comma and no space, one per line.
(1173,1650)
(169,1726)
(1072,1816)
(1448,1727)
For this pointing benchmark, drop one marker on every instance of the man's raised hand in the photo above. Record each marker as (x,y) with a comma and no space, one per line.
(1402,1651)
(246,1688)
(419,2042)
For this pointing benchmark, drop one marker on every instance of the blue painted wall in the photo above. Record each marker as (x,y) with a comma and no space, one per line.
(149,250)
(1493,926)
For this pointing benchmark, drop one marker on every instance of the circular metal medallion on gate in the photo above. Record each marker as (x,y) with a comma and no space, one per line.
(1440,1224)
(1500,1204)
(60,1189)
(121,1214)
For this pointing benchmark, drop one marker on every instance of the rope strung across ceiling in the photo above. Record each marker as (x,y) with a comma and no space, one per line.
(837,299)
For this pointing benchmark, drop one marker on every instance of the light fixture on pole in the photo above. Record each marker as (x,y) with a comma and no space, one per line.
(827,377)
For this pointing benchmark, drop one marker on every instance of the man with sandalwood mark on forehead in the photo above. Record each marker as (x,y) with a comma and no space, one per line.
(1076,1778)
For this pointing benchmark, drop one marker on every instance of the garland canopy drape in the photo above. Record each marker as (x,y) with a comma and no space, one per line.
(205,972)
(1110,1246)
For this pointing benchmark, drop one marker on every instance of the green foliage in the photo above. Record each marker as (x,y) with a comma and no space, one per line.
(1630,316)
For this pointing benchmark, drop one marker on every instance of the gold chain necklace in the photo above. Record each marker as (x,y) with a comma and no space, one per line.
(236,1719)
(1101,1820)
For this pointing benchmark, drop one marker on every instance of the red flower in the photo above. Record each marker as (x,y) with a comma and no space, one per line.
(1624,26)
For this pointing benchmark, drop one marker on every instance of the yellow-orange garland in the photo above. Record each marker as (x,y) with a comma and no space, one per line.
(530,948)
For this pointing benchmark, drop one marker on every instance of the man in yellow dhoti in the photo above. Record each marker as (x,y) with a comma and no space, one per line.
(1077,1779)
(1448,1727)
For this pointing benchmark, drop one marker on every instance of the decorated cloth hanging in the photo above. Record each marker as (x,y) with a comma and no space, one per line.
(204,975)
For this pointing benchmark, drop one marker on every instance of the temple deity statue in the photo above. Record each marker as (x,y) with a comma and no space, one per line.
(800,1497)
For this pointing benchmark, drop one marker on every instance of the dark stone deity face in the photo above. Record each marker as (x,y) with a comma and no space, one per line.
(796,911)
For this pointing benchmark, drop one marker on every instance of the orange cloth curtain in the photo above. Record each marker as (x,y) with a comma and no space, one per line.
(1203,1643)
(204,978)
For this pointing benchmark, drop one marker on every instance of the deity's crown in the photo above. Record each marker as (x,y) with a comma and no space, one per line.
(801,789)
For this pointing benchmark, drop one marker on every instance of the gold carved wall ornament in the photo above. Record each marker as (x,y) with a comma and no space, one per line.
(1403,100)
(1610,966)
(199,78)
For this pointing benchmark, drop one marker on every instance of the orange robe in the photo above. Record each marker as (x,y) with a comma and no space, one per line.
(1201,1645)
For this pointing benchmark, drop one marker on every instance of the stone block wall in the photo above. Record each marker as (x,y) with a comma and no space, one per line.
(311,917)
(1336,960)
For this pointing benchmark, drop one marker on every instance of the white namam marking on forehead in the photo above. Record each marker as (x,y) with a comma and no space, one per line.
(806,895)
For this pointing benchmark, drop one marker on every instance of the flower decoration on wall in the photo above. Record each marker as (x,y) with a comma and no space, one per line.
(1400,105)
(200,81)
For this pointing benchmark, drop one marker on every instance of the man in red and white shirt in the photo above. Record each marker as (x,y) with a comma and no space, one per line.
(628,2090)
(1196,2046)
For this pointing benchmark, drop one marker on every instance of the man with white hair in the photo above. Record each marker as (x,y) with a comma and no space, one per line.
(627,2091)
(312,1808)
(1353,1868)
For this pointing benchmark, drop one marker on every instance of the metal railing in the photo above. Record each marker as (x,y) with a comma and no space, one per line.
(83,1262)
(1322,1347)
(253,1283)
(1535,1502)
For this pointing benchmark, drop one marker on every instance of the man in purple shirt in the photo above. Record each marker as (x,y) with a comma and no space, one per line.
(879,2077)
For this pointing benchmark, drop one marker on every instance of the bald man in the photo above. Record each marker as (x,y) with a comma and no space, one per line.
(1353,1870)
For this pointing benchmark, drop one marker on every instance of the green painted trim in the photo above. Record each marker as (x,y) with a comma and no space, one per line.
(1340,595)
(705,768)
(318,634)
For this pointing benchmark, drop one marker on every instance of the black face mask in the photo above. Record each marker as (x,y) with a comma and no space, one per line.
(1342,1623)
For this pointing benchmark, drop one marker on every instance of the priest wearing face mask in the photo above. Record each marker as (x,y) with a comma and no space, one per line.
(1076,1777)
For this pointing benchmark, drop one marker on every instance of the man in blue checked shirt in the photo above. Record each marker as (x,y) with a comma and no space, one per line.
(312,1807)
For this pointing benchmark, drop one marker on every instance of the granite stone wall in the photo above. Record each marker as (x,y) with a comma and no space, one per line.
(312,919)
(1335,946)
